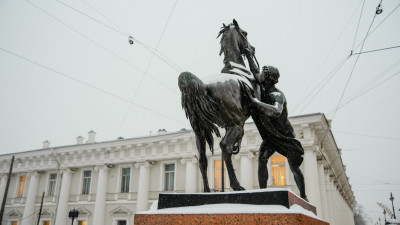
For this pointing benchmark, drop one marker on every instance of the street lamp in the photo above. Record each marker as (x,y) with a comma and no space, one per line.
(73,214)
(391,199)
(384,214)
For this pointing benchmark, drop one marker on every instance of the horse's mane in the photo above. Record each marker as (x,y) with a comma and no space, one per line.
(222,31)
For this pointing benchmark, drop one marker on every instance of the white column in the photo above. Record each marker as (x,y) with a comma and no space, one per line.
(62,211)
(191,174)
(3,184)
(144,183)
(246,170)
(322,189)
(100,205)
(329,217)
(311,177)
(30,199)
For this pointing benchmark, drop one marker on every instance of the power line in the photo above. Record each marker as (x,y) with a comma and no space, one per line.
(367,135)
(326,57)
(147,68)
(144,45)
(358,25)
(377,26)
(355,97)
(321,85)
(118,31)
(376,50)
(101,46)
(91,86)
(352,70)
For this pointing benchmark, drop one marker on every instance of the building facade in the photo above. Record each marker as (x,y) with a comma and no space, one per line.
(107,182)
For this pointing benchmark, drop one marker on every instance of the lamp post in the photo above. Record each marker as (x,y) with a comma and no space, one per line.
(73,214)
(384,214)
(391,199)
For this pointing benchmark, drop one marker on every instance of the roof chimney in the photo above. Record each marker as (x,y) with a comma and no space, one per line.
(79,140)
(92,137)
(46,144)
(162,131)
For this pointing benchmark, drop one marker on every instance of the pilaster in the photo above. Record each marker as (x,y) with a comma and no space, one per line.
(144,183)
(62,211)
(30,199)
(191,174)
(100,205)
(311,177)
(246,169)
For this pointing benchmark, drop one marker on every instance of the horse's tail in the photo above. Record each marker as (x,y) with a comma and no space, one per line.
(199,107)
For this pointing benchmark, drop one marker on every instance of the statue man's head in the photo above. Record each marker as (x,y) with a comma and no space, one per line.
(271,74)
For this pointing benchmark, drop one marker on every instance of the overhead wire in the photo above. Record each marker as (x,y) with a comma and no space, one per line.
(91,86)
(147,68)
(120,32)
(322,84)
(323,62)
(358,25)
(376,50)
(144,45)
(370,85)
(101,46)
(352,53)
(352,69)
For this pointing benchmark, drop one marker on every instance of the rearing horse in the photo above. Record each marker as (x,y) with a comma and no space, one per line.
(220,100)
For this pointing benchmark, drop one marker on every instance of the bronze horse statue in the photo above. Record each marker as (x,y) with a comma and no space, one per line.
(221,100)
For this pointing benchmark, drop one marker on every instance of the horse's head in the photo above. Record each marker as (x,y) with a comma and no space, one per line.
(234,42)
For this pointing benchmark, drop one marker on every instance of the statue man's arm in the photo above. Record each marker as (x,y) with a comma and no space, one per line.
(274,110)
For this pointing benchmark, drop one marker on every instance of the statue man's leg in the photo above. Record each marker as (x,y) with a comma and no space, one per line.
(295,161)
(264,154)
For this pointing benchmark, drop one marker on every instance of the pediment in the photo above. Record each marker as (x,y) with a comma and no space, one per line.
(83,212)
(121,211)
(14,214)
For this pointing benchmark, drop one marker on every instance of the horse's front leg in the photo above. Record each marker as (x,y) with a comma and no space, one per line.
(232,136)
(203,163)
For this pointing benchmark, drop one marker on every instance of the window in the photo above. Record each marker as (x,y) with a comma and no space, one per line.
(278,170)
(121,222)
(21,186)
(14,223)
(87,177)
(169,176)
(82,222)
(218,175)
(46,222)
(126,174)
(52,184)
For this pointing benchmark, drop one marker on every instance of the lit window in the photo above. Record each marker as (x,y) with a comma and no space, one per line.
(121,222)
(278,170)
(87,177)
(46,222)
(169,177)
(126,174)
(81,222)
(52,184)
(218,175)
(21,186)
(14,223)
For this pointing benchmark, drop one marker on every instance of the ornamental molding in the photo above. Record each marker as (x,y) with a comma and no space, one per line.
(191,159)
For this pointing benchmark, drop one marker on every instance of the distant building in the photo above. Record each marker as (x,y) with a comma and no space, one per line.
(109,181)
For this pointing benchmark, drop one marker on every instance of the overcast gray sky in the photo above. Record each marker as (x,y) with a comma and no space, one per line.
(77,74)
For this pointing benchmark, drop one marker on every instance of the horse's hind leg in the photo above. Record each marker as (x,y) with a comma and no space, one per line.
(201,147)
(233,135)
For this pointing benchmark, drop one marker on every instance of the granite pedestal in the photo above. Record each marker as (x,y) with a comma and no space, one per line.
(268,206)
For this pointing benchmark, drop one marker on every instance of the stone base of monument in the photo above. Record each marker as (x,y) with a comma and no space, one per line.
(267,206)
